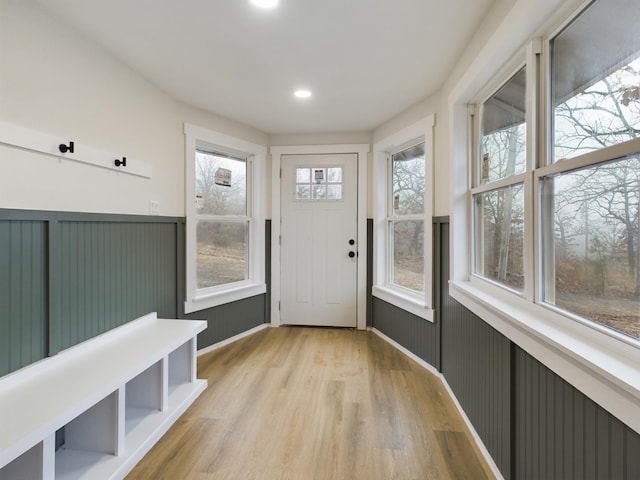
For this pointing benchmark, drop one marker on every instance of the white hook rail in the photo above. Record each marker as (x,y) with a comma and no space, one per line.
(34,140)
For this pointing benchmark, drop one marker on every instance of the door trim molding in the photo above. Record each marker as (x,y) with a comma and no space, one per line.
(362,150)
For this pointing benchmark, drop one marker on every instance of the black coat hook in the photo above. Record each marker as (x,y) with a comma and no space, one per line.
(66,148)
(121,163)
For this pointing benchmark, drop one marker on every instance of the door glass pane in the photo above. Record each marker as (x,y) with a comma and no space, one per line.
(407,180)
(334,192)
(221,252)
(303,192)
(319,192)
(499,216)
(303,175)
(221,185)
(334,175)
(319,183)
(595,79)
(503,146)
(593,266)
(408,254)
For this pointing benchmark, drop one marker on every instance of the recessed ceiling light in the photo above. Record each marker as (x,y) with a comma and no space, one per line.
(302,93)
(265,3)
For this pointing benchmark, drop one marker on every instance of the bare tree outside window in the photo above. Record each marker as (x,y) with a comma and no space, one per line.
(500,235)
(595,256)
(406,224)
(222,223)
(499,212)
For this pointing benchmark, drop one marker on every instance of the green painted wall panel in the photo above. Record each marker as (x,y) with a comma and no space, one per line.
(564,435)
(230,319)
(110,273)
(416,334)
(476,364)
(23,293)
(474,358)
(66,277)
(412,332)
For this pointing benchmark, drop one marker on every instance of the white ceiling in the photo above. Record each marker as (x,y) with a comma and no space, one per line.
(364,60)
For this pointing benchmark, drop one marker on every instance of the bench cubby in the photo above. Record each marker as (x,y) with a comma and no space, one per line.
(109,398)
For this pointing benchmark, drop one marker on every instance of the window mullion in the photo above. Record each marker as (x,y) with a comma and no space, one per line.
(596,157)
(534,147)
(476,135)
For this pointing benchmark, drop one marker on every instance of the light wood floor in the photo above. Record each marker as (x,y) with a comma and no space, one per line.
(315,403)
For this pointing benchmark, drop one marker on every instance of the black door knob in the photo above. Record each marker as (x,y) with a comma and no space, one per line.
(352,254)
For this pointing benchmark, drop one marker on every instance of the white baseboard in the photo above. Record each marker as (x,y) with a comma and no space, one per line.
(230,340)
(431,369)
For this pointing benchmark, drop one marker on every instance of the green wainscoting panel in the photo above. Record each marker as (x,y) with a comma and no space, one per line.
(476,362)
(66,277)
(534,424)
(23,293)
(416,334)
(412,332)
(111,272)
(562,434)
(370,254)
(230,319)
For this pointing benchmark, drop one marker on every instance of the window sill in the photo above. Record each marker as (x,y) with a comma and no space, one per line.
(401,300)
(228,295)
(604,368)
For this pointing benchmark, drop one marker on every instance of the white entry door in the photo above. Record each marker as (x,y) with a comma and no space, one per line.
(319,227)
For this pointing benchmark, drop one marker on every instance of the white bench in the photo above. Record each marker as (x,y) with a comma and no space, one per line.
(115,395)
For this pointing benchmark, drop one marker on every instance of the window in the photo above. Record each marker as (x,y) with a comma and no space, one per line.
(319,184)
(403,239)
(545,194)
(591,232)
(225,231)
(590,205)
(588,185)
(406,218)
(595,79)
(499,191)
(223,222)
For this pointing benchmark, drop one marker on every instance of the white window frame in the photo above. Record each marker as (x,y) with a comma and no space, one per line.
(524,179)
(200,299)
(420,305)
(602,364)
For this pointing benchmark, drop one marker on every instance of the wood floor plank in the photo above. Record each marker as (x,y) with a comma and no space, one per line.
(458,452)
(315,403)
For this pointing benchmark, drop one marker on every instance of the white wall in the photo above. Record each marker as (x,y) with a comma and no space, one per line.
(404,119)
(56,81)
(53,80)
(438,104)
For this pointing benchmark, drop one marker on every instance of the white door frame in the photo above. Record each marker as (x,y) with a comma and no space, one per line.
(362,151)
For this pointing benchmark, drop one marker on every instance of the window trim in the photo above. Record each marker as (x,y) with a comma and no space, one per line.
(404,298)
(602,366)
(200,299)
